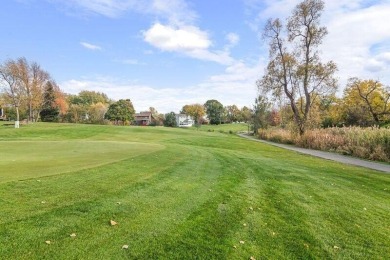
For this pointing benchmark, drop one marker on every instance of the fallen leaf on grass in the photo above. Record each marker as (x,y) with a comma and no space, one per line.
(125,246)
(48,242)
(113,223)
(73,235)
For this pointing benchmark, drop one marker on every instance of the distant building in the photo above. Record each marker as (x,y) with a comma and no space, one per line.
(143,118)
(183,120)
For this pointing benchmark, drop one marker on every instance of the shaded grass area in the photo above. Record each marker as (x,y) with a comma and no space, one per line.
(197,198)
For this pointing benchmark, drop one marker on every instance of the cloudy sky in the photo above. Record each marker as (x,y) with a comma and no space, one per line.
(168,53)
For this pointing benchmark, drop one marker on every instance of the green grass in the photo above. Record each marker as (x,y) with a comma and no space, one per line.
(179,194)
(223,128)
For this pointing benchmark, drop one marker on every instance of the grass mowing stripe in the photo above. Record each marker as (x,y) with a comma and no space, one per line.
(144,193)
(206,232)
(302,206)
(291,217)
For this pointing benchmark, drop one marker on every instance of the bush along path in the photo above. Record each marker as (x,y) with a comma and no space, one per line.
(328,155)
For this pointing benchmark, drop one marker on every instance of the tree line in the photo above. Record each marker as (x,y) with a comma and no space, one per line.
(212,112)
(28,92)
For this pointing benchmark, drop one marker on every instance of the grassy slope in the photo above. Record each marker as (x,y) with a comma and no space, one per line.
(190,200)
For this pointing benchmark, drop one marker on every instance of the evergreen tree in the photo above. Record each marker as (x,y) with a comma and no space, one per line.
(170,119)
(49,112)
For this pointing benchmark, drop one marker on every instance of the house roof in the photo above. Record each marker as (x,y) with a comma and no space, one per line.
(143,114)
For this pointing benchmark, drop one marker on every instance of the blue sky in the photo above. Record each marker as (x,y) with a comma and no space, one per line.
(168,53)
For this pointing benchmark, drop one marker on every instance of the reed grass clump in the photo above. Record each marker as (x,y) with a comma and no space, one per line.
(371,143)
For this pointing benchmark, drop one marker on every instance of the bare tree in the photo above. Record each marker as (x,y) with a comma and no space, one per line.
(295,70)
(12,85)
(39,79)
(33,80)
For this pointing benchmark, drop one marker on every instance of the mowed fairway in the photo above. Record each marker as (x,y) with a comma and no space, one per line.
(181,194)
(31,159)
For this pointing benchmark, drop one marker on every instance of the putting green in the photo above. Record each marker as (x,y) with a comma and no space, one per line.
(31,159)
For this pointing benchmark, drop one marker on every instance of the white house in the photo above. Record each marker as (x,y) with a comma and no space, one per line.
(183,120)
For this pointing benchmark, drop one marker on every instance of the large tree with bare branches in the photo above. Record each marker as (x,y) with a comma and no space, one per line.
(23,84)
(295,71)
(33,79)
(12,85)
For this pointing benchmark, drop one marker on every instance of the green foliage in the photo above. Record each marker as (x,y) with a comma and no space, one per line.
(245,114)
(10,113)
(261,112)
(87,107)
(233,114)
(214,111)
(87,98)
(170,119)
(121,110)
(49,112)
(49,115)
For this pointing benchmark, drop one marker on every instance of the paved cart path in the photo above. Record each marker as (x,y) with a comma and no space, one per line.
(328,155)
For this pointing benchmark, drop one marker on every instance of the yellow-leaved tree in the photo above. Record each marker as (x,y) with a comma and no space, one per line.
(366,102)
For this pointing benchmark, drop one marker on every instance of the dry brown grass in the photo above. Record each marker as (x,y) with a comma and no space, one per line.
(371,143)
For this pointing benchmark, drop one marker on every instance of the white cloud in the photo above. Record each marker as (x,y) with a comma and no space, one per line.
(358,39)
(109,8)
(232,39)
(91,46)
(188,40)
(359,42)
(175,11)
(183,39)
(235,86)
(179,34)
(130,62)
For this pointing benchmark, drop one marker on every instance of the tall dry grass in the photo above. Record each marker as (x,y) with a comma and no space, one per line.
(371,143)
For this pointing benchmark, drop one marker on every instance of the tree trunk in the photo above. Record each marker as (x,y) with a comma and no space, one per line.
(17,117)
(31,117)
